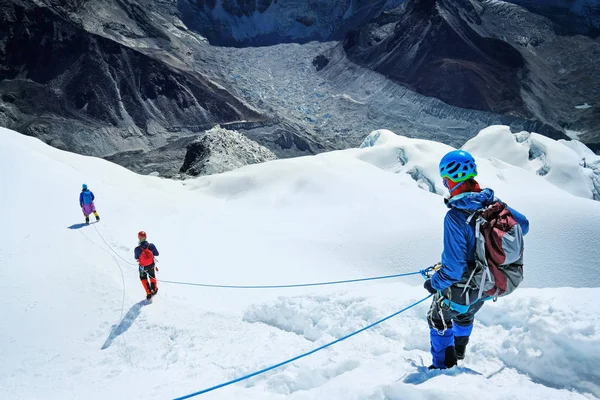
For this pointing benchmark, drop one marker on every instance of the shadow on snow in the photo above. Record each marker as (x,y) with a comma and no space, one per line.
(424,374)
(80,225)
(125,323)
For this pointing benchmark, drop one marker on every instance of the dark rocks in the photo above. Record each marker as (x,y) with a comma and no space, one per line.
(434,51)
(320,62)
(242,23)
(52,66)
(220,150)
(490,56)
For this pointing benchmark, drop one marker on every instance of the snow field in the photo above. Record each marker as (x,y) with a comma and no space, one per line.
(75,326)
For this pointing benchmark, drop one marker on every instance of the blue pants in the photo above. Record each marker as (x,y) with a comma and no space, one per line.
(449,329)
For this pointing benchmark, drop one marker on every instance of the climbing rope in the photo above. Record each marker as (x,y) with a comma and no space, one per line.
(111,248)
(291,285)
(210,389)
(424,272)
(421,272)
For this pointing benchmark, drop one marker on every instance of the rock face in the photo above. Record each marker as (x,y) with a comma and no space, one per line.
(434,50)
(268,22)
(105,96)
(574,17)
(489,55)
(220,150)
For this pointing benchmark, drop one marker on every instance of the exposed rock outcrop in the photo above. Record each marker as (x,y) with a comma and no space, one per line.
(220,150)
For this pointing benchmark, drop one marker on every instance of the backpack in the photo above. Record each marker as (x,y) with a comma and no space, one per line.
(499,248)
(146,257)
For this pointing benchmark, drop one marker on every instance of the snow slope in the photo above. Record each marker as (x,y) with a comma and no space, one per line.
(559,162)
(75,325)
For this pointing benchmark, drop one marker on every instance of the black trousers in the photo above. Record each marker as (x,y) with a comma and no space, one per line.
(147,271)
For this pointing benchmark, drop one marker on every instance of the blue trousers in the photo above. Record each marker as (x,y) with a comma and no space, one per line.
(450,329)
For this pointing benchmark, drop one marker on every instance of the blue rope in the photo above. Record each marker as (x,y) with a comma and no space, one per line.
(289,286)
(422,272)
(301,355)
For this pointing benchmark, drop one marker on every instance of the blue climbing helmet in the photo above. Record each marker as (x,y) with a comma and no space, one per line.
(458,166)
(83,187)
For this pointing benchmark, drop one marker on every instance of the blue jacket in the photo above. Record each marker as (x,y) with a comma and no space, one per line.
(138,250)
(86,197)
(459,236)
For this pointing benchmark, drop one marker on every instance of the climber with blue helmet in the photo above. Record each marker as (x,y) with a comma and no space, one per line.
(456,300)
(86,202)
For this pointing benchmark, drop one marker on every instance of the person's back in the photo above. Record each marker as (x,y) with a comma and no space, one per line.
(87,197)
(459,234)
(144,253)
(456,301)
(146,259)
(86,202)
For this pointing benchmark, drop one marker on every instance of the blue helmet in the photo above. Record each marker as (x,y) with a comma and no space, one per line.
(84,186)
(458,166)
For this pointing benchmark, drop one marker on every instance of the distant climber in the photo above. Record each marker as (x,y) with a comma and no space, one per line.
(86,202)
(461,285)
(144,254)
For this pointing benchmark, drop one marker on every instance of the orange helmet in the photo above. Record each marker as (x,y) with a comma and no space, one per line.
(141,236)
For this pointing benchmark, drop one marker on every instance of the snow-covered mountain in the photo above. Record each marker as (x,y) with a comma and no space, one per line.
(136,81)
(575,168)
(569,165)
(74,325)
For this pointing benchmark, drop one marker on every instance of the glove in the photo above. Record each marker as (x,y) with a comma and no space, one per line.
(156,268)
(428,287)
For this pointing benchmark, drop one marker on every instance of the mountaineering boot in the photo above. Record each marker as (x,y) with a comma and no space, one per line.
(450,359)
(460,352)
(97,216)
(87,220)
(153,286)
(460,345)
(147,288)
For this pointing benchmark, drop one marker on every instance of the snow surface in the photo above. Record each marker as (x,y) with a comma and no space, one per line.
(559,162)
(74,325)
(574,135)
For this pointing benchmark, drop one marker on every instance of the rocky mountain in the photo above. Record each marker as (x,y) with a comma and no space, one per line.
(87,93)
(572,17)
(138,81)
(487,55)
(268,22)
